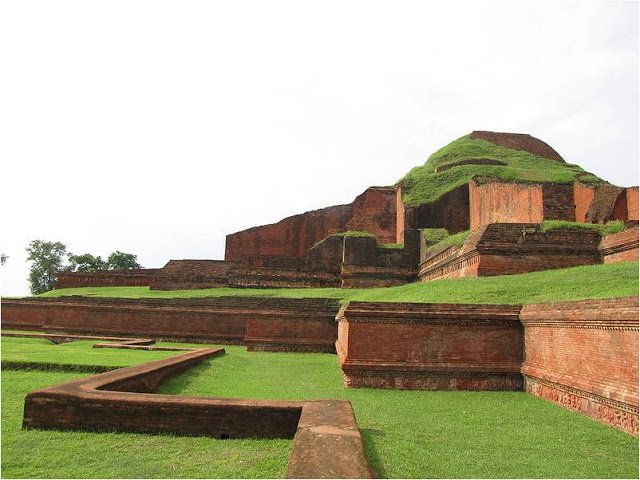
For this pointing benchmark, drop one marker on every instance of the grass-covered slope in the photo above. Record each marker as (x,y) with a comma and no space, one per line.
(426,183)
(578,283)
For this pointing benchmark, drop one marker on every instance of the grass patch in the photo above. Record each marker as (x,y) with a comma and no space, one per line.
(423,185)
(449,241)
(434,235)
(578,283)
(67,356)
(422,434)
(398,246)
(614,226)
(74,454)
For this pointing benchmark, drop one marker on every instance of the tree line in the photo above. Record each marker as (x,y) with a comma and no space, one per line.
(49,258)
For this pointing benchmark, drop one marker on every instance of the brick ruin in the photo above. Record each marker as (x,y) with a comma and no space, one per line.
(307,250)
(326,440)
(581,355)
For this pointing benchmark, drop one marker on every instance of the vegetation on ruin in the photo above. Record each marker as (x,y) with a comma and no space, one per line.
(349,233)
(434,235)
(577,283)
(407,434)
(399,246)
(449,241)
(424,185)
(614,226)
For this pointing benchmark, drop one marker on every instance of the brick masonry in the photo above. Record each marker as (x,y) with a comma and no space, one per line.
(107,278)
(430,346)
(510,248)
(326,439)
(261,323)
(373,210)
(581,355)
(620,247)
(584,356)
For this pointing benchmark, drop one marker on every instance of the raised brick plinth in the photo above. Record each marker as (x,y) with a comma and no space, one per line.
(510,248)
(261,323)
(584,356)
(430,346)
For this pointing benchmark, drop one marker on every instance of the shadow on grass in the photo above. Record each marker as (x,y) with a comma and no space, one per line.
(373,456)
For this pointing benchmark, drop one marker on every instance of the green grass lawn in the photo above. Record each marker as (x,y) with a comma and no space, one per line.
(68,454)
(422,434)
(423,185)
(17,351)
(406,433)
(593,281)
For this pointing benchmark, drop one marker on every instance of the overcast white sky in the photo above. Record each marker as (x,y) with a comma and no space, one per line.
(158,127)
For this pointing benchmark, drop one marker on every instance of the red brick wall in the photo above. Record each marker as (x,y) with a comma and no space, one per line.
(222,319)
(632,203)
(107,278)
(451,211)
(509,248)
(620,247)
(373,211)
(584,356)
(583,196)
(558,202)
(400,220)
(434,346)
(505,202)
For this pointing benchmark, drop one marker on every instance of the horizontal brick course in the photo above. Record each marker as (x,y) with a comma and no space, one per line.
(302,324)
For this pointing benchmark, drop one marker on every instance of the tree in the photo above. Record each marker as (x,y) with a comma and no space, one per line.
(122,261)
(86,263)
(47,259)
(3,258)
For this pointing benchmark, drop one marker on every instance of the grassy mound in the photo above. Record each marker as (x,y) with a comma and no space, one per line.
(430,181)
(578,283)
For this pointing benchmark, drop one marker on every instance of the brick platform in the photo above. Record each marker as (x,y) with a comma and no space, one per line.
(509,248)
(430,346)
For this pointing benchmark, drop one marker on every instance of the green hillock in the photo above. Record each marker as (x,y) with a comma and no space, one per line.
(427,183)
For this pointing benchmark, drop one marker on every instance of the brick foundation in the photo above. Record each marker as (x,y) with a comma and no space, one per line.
(430,346)
(141,277)
(584,356)
(326,439)
(510,248)
(262,323)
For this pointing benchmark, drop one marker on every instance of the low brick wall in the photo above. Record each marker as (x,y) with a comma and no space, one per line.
(584,356)
(620,247)
(326,439)
(511,248)
(141,277)
(430,346)
(289,324)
